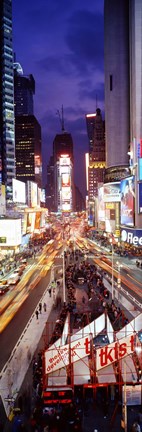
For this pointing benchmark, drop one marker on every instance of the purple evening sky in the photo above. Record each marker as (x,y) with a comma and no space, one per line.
(61,44)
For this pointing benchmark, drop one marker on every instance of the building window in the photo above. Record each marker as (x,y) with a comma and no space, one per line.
(110,82)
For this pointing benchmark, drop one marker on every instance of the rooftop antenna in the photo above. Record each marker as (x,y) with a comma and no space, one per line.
(96,101)
(61,118)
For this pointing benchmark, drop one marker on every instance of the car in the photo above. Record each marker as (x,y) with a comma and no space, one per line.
(3,282)
(4,289)
(18,271)
(14,279)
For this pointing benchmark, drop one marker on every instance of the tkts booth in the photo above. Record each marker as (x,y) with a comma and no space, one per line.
(76,361)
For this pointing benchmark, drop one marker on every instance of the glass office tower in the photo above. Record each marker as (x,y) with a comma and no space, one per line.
(7,135)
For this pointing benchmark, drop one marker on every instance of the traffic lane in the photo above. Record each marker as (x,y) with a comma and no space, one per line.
(11,334)
(130,283)
(132,273)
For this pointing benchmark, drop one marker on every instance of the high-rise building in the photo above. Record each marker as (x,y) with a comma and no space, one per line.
(123,102)
(28,149)
(96,136)
(24,89)
(61,163)
(117,82)
(7,132)
(50,201)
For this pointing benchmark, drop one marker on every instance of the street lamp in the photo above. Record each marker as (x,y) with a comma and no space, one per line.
(119,278)
(112,266)
(52,276)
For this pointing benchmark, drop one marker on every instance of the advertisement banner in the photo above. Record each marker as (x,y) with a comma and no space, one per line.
(127,201)
(112,192)
(66,193)
(114,352)
(66,180)
(2,200)
(10,232)
(101,204)
(140,197)
(19,191)
(132,236)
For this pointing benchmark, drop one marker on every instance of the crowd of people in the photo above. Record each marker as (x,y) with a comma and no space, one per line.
(92,292)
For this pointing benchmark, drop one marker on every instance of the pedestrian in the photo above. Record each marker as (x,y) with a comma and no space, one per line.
(44,307)
(83,299)
(40,307)
(37,314)
(49,292)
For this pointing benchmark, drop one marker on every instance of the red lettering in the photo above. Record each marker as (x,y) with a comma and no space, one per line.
(132,343)
(122,349)
(105,355)
(87,346)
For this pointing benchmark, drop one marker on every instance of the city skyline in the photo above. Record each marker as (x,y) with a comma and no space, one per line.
(63,48)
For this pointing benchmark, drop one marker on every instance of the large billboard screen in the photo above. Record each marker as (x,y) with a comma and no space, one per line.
(65,180)
(2,200)
(112,192)
(127,201)
(10,232)
(66,193)
(101,204)
(140,197)
(64,160)
(30,222)
(19,191)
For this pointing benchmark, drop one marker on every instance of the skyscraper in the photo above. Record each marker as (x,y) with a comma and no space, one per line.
(24,89)
(28,149)
(123,97)
(96,136)
(117,82)
(7,133)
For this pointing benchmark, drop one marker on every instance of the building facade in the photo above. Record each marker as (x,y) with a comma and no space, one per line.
(63,172)
(7,130)
(123,102)
(24,89)
(28,149)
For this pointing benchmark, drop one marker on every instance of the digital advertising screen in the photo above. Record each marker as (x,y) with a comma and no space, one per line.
(37,220)
(140,168)
(140,197)
(30,222)
(127,201)
(65,180)
(101,204)
(2,200)
(112,192)
(66,193)
(10,232)
(65,160)
(33,194)
(19,191)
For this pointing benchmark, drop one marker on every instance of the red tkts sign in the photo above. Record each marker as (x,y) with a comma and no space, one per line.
(113,352)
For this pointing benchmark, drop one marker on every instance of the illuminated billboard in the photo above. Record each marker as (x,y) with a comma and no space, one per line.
(64,160)
(101,204)
(127,201)
(66,193)
(2,200)
(140,197)
(140,168)
(37,220)
(42,196)
(19,191)
(32,194)
(65,180)
(66,206)
(30,222)
(112,212)
(10,232)
(112,192)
